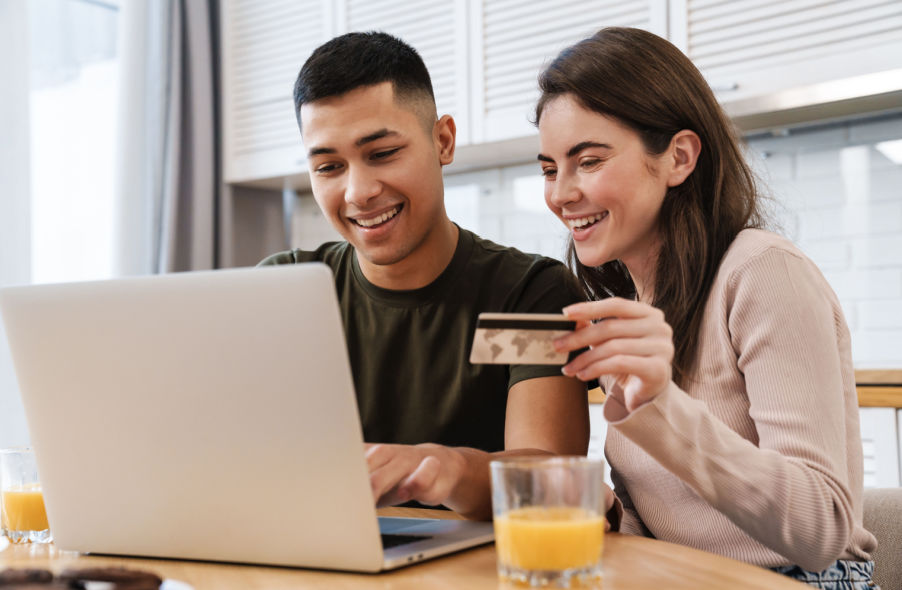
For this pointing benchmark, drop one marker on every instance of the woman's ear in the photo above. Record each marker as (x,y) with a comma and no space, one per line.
(445,132)
(685,147)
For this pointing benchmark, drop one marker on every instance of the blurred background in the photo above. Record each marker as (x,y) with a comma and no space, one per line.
(148,136)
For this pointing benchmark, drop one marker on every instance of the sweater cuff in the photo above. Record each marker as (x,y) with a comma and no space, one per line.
(615,514)
(616,413)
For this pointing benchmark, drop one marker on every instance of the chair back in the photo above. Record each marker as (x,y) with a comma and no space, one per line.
(883,518)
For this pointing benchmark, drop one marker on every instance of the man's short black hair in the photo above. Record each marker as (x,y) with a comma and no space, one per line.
(352,60)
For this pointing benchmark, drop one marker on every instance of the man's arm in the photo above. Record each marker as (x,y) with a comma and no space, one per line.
(545,416)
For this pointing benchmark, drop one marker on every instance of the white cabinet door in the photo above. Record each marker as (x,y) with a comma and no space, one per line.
(437,29)
(880,443)
(515,38)
(749,48)
(264,43)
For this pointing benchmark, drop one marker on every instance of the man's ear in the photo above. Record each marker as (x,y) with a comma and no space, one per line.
(685,146)
(444,133)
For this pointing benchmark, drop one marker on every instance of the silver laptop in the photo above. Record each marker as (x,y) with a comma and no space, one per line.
(206,415)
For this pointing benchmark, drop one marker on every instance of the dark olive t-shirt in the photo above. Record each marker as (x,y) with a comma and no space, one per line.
(409,350)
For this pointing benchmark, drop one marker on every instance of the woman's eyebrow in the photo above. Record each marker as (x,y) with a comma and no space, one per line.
(585,144)
(575,150)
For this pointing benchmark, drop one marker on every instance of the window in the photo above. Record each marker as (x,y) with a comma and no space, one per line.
(73,79)
(58,62)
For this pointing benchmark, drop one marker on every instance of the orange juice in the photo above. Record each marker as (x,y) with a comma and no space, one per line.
(23,509)
(549,538)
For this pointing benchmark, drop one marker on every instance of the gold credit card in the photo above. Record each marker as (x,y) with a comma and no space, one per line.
(519,338)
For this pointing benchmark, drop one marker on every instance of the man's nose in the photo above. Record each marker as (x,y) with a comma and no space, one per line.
(362,186)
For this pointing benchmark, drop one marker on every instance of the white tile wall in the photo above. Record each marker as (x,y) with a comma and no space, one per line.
(831,192)
(840,199)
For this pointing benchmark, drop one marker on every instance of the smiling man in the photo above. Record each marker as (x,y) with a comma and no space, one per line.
(410,284)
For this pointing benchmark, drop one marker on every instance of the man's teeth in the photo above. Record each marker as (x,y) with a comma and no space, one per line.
(584,221)
(377,220)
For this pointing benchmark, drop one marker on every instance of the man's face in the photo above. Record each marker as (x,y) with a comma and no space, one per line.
(376,171)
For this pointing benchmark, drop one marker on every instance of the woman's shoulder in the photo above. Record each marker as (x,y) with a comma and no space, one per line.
(759,258)
(758,245)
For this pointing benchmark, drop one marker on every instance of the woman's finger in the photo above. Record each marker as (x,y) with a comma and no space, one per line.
(600,332)
(643,347)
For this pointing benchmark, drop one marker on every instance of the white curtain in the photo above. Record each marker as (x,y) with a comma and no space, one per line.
(167,175)
(15,216)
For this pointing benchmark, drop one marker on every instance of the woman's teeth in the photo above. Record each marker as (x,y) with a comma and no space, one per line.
(584,222)
(379,219)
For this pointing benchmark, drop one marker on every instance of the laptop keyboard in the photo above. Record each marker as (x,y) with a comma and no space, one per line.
(390,540)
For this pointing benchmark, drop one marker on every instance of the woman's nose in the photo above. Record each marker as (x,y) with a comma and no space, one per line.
(563,191)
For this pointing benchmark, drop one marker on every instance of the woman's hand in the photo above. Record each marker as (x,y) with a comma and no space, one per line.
(627,339)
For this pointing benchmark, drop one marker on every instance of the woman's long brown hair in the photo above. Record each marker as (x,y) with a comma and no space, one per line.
(647,84)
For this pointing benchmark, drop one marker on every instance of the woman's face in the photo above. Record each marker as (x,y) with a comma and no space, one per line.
(602,184)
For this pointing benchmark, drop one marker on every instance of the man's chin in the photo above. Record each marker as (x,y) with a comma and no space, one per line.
(380,256)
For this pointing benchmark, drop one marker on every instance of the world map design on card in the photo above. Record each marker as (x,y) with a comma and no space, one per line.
(519,339)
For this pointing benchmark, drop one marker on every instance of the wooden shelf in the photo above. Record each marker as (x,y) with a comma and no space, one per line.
(877,388)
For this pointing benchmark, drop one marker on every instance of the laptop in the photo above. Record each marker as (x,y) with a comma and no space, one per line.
(206,415)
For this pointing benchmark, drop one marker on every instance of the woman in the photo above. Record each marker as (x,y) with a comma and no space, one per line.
(722,349)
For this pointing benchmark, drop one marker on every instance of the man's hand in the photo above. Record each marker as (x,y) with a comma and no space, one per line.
(426,473)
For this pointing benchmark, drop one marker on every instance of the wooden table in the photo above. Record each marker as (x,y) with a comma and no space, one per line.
(630,563)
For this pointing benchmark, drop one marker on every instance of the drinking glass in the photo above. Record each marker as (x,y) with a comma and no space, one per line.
(549,520)
(22,514)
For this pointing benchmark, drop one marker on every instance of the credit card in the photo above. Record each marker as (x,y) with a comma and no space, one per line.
(519,339)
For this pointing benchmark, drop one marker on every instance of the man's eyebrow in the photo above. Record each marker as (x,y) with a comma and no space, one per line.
(376,135)
(320,150)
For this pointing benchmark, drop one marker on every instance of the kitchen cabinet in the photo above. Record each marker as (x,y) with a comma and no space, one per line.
(513,40)
(748,49)
(484,56)
(880,414)
(880,442)
(880,446)
(263,44)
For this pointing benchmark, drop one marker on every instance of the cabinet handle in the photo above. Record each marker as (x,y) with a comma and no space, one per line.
(725,86)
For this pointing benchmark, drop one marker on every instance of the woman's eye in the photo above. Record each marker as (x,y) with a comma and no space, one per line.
(549,172)
(589,162)
(385,154)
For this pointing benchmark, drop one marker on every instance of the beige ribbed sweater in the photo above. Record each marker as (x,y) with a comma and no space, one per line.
(759,457)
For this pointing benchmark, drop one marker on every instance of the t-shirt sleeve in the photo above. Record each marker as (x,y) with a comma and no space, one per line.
(551,289)
(789,492)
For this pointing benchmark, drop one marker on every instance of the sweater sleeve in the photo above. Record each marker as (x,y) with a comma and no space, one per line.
(788,492)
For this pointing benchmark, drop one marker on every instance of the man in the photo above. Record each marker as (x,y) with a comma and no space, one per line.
(411,283)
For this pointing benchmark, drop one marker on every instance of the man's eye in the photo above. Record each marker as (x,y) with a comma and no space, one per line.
(385,154)
(325,168)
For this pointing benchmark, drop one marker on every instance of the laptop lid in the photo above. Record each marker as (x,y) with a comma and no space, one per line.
(205,415)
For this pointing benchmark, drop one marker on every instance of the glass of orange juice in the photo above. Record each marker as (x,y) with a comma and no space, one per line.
(22,514)
(549,520)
